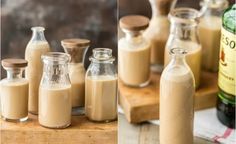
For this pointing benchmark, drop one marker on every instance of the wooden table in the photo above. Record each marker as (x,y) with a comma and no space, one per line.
(143,133)
(81,131)
(142,104)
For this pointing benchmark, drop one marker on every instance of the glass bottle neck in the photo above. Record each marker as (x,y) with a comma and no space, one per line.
(102,55)
(160,7)
(184,32)
(213,7)
(38,35)
(178,56)
(177,59)
(155,11)
(133,37)
(14,73)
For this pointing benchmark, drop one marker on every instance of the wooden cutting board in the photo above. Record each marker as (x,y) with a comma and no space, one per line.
(81,131)
(142,104)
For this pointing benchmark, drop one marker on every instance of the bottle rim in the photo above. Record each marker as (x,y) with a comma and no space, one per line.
(184,15)
(178,51)
(37,28)
(102,55)
(75,43)
(56,57)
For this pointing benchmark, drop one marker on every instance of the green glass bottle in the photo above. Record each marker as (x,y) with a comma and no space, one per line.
(227,69)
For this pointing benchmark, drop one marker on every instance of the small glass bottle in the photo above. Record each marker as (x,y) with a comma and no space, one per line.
(101,87)
(226,99)
(158,31)
(184,22)
(14,91)
(76,48)
(36,47)
(209,32)
(134,52)
(176,100)
(55,91)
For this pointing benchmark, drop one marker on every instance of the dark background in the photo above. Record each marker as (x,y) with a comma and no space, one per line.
(91,19)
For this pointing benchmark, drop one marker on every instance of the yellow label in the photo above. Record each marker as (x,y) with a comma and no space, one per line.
(227,63)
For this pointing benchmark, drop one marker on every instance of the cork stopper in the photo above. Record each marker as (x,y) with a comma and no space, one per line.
(162,6)
(14,63)
(75,48)
(134,22)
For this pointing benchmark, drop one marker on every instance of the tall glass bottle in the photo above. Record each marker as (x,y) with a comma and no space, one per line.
(36,47)
(227,69)
(76,48)
(209,32)
(158,31)
(101,87)
(134,52)
(55,91)
(184,22)
(176,100)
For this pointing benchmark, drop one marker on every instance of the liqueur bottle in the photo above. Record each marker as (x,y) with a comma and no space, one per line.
(227,66)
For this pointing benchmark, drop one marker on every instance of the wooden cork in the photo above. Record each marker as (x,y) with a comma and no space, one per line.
(134,22)
(14,63)
(75,48)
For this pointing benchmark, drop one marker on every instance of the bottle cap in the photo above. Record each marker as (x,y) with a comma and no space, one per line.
(75,48)
(14,63)
(134,22)
(75,42)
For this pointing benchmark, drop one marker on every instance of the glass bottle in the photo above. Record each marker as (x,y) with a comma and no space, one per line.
(36,47)
(158,31)
(101,87)
(176,100)
(227,69)
(184,22)
(14,91)
(76,48)
(55,91)
(209,32)
(134,52)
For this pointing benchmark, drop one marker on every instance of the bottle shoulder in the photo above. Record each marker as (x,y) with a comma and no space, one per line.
(210,22)
(129,45)
(177,73)
(229,19)
(189,46)
(159,28)
(38,45)
(99,69)
(14,82)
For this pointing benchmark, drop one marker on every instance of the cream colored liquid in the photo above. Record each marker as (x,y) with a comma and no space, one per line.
(193,58)
(77,78)
(157,33)
(209,33)
(176,107)
(55,106)
(34,71)
(134,64)
(101,98)
(14,99)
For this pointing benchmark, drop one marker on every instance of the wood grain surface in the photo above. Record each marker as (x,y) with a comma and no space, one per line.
(81,131)
(142,104)
(143,133)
